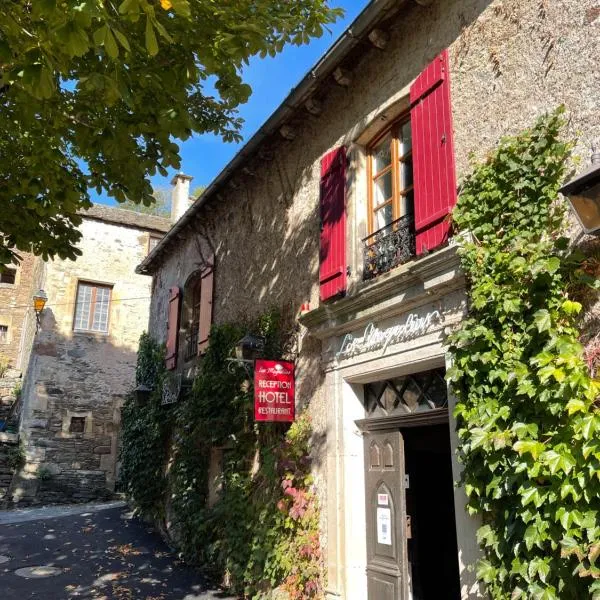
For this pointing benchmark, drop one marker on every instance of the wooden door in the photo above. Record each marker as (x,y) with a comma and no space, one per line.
(387,565)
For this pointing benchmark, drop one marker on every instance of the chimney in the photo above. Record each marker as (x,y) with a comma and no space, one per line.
(180,196)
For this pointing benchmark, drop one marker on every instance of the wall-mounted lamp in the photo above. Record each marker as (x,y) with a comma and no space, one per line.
(583,193)
(142,394)
(39,301)
(247,350)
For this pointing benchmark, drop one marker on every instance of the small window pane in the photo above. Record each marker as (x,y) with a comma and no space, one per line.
(382,155)
(3,334)
(383,216)
(406,174)
(100,322)
(152,243)
(8,276)
(383,189)
(82,310)
(405,138)
(407,204)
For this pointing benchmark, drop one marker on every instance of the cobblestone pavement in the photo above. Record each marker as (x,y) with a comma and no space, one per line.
(97,552)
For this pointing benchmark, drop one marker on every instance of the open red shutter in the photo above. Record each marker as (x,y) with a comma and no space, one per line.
(206,302)
(332,271)
(173,327)
(433,154)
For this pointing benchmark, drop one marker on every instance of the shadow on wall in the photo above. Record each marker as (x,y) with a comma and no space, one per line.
(72,398)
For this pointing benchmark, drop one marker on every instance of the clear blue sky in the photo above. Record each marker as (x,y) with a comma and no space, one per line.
(271,79)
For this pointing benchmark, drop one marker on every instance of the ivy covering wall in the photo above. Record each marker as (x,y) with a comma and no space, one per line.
(528,415)
(262,532)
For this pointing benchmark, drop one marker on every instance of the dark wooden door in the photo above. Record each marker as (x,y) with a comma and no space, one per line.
(387,566)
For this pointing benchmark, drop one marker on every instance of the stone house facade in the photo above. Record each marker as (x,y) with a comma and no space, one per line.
(83,359)
(340,202)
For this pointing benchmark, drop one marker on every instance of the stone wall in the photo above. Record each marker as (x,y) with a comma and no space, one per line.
(16,310)
(511,60)
(9,448)
(81,374)
(10,390)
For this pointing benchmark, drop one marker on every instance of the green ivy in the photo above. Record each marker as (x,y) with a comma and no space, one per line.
(527,411)
(145,434)
(263,532)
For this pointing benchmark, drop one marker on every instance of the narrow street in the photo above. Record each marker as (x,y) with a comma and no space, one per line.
(95,551)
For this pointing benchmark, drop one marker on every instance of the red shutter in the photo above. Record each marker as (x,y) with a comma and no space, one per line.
(433,154)
(173,328)
(206,302)
(332,271)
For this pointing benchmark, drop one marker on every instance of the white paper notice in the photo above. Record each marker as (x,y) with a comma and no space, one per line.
(384,526)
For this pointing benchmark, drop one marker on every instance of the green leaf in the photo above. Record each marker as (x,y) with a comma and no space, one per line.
(532,447)
(542,320)
(122,39)
(571,308)
(151,43)
(111,45)
(575,405)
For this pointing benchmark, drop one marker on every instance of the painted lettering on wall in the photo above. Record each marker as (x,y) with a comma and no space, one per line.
(274,390)
(374,338)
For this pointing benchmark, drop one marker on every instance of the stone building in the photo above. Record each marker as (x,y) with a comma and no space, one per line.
(341,201)
(83,359)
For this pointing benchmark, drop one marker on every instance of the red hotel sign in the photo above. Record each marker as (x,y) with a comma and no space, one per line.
(274,390)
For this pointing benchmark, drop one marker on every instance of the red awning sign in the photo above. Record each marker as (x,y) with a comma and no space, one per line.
(274,398)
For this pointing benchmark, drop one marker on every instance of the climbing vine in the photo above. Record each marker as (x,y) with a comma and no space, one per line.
(527,413)
(259,529)
(145,433)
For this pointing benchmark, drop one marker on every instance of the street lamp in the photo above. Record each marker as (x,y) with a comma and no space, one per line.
(39,301)
(247,350)
(583,193)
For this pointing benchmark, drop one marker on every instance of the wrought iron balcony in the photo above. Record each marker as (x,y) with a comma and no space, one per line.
(389,247)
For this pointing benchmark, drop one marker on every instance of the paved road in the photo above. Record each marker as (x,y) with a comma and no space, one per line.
(98,552)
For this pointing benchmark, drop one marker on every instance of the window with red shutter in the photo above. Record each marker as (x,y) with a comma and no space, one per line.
(173,328)
(332,263)
(433,154)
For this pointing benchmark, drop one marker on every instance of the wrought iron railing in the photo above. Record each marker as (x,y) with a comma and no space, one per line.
(191,342)
(389,247)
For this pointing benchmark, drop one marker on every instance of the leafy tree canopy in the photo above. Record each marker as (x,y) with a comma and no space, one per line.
(94,93)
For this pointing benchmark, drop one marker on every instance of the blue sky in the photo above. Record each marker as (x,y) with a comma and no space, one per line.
(271,79)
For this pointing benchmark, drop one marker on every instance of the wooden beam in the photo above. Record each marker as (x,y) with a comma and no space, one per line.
(342,77)
(379,38)
(313,106)
(265,154)
(287,132)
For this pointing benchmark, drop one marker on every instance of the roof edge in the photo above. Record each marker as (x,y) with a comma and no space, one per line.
(374,12)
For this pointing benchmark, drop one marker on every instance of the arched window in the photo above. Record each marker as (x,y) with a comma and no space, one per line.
(196,314)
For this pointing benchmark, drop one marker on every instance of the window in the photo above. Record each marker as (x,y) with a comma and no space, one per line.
(92,307)
(8,275)
(77,425)
(191,340)
(391,239)
(3,334)
(153,242)
(391,177)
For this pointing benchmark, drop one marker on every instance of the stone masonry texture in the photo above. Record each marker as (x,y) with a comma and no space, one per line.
(511,61)
(84,375)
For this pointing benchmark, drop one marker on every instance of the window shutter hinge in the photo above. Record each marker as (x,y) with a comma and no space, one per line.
(443,138)
(348,271)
